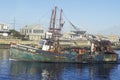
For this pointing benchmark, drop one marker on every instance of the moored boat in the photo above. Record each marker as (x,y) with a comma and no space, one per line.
(71,55)
(51,51)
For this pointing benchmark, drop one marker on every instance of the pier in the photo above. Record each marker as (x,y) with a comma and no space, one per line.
(5,43)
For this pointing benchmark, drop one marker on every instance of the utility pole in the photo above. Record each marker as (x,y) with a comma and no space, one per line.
(14,23)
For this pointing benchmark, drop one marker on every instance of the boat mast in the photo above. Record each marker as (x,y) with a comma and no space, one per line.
(50,27)
(55,27)
(60,26)
(54,22)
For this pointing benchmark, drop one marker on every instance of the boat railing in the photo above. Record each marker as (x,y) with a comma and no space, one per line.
(24,47)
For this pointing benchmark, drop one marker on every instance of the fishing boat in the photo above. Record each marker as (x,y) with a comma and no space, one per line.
(51,51)
(71,55)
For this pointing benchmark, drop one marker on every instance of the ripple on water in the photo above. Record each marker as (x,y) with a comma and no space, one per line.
(4,70)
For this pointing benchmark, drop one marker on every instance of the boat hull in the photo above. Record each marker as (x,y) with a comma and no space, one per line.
(69,57)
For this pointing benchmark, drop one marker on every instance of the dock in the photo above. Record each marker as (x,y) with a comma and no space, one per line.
(5,43)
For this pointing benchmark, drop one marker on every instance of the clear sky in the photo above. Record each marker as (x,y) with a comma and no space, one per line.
(94,16)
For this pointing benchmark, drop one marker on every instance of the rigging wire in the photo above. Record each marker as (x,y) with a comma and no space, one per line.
(43,18)
(75,27)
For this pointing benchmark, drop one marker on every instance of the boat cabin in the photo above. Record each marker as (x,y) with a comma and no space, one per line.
(45,44)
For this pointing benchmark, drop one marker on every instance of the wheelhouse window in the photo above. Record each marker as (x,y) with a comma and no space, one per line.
(38,31)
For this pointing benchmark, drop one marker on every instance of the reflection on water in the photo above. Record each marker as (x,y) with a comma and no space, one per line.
(4,54)
(56,71)
(45,75)
(20,70)
(4,70)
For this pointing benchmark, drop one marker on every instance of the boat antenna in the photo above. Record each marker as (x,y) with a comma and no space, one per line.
(54,2)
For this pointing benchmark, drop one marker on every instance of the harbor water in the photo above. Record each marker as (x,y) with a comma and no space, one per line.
(21,70)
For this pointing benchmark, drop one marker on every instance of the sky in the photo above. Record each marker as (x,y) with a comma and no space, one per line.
(93,16)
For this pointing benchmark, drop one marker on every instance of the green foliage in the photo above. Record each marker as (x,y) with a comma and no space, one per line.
(15,33)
